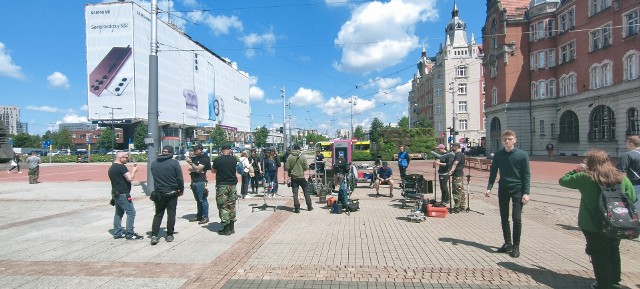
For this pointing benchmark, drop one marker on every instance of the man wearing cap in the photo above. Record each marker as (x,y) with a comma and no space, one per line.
(384,178)
(224,167)
(443,163)
(403,162)
(198,166)
(457,172)
(295,166)
(169,184)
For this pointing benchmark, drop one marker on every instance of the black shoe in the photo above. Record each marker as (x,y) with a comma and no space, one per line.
(515,252)
(119,236)
(204,221)
(226,231)
(154,240)
(506,248)
(196,219)
(232,229)
(296,210)
(135,237)
(168,238)
(309,208)
(390,195)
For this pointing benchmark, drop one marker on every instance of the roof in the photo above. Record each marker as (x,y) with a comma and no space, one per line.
(514,7)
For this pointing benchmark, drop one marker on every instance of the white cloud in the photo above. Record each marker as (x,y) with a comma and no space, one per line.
(273,100)
(336,3)
(380,35)
(7,67)
(255,42)
(58,80)
(306,97)
(42,108)
(73,118)
(393,94)
(335,105)
(221,24)
(256,93)
(84,107)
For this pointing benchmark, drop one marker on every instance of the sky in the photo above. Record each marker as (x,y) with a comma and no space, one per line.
(324,53)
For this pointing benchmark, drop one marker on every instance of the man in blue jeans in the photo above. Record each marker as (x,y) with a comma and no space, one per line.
(198,166)
(121,179)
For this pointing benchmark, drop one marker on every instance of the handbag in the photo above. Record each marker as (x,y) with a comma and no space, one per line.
(353,205)
(252,172)
(13,163)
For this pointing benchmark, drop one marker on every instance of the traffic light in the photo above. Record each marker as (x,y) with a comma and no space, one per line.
(466,140)
(451,130)
(280,130)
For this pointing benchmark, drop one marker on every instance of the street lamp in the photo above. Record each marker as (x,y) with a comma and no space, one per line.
(113,146)
(352,103)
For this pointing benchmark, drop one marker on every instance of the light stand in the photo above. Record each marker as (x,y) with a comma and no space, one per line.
(264,205)
(469,192)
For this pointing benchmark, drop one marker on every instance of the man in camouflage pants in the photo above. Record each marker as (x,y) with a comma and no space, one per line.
(224,167)
(457,174)
(34,167)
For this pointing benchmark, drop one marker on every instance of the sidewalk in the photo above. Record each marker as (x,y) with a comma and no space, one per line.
(56,235)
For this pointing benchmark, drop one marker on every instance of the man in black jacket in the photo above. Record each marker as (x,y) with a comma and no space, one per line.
(169,184)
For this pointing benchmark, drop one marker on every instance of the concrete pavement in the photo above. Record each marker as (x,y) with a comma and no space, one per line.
(57,234)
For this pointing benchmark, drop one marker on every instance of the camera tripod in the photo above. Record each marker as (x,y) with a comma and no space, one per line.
(469,192)
(264,205)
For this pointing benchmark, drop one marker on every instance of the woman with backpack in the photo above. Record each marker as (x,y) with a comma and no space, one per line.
(594,172)
(271,173)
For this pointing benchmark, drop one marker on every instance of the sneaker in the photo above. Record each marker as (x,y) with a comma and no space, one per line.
(135,236)
(119,236)
(196,219)
(154,240)
(204,221)
(247,196)
(168,238)
(515,252)
(19,172)
(296,210)
(506,248)
(390,195)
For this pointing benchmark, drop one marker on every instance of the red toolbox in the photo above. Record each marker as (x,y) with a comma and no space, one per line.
(438,212)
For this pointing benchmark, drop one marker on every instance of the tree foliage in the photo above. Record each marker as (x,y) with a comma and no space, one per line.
(106,139)
(415,140)
(359,133)
(140,133)
(313,138)
(403,122)
(260,137)
(23,140)
(63,139)
(218,137)
(376,125)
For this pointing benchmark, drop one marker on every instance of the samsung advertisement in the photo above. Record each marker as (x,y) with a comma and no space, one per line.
(195,86)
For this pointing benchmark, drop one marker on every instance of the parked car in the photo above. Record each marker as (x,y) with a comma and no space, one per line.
(413,156)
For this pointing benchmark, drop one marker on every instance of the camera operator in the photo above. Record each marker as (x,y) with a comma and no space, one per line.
(443,163)
(295,166)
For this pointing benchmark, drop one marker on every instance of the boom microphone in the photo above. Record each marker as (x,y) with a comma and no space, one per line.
(437,155)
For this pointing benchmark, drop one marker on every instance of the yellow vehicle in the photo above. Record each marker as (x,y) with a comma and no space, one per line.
(325,148)
(362,146)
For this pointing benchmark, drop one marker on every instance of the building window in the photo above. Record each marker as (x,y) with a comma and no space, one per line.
(494,69)
(462,124)
(461,71)
(569,127)
(534,90)
(439,126)
(542,58)
(552,88)
(633,122)
(631,65)
(542,89)
(532,61)
(494,96)
(594,76)
(462,88)
(462,106)
(600,37)
(567,52)
(551,57)
(551,27)
(438,108)
(602,124)
(607,74)
(568,84)
(542,127)
(630,23)
(552,129)
(599,5)
(567,20)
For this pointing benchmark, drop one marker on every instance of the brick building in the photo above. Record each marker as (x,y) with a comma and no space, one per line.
(564,71)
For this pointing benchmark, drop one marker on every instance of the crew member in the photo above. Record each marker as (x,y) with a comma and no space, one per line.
(384,178)
(169,185)
(457,173)
(121,179)
(224,167)
(443,163)
(403,162)
(198,166)
(296,165)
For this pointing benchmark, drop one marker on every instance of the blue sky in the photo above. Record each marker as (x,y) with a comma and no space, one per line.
(323,52)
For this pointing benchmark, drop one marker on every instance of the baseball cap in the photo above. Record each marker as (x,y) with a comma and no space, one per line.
(197,147)
(296,147)
(440,147)
(226,147)
(168,149)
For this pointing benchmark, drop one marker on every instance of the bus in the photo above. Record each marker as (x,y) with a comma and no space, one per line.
(362,146)
(325,148)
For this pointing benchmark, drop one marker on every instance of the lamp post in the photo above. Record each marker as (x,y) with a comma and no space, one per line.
(50,141)
(113,142)
(352,102)
(181,128)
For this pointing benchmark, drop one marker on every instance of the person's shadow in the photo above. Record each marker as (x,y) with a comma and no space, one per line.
(483,247)
(548,277)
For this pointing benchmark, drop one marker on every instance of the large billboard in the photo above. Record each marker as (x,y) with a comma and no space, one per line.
(195,86)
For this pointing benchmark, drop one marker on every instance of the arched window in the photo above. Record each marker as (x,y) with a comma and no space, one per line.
(552,88)
(594,74)
(542,88)
(602,124)
(534,90)
(633,122)
(495,125)
(569,126)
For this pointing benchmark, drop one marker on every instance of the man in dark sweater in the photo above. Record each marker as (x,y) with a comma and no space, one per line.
(198,166)
(295,167)
(224,167)
(514,187)
(169,184)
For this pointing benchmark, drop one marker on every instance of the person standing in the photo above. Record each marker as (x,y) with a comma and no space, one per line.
(256,163)
(34,167)
(283,160)
(121,179)
(377,163)
(457,173)
(403,162)
(15,163)
(514,187)
(443,163)
(384,178)
(199,164)
(629,163)
(295,166)
(271,173)
(549,149)
(224,167)
(587,178)
(169,185)
(244,187)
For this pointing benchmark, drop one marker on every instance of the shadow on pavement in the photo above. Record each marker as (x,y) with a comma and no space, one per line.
(568,228)
(550,278)
(483,247)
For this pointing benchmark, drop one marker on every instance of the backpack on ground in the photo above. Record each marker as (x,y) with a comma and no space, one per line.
(239,168)
(620,215)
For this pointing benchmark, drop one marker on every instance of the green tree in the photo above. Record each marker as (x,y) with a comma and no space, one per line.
(313,138)
(403,122)
(139,135)
(23,140)
(260,137)
(423,123)
(376,125)
(64,139)
(359,132)
(218,137)
(106,139)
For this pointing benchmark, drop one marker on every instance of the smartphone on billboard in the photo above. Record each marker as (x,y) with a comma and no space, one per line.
(212,100)
(104,72)
(119,84)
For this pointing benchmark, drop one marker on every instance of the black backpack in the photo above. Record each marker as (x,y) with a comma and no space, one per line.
(620,215)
